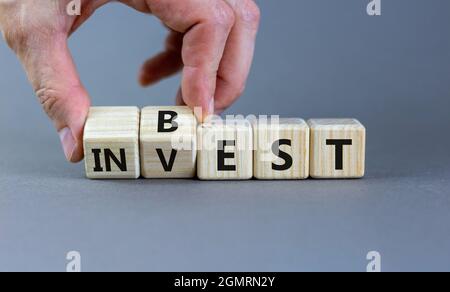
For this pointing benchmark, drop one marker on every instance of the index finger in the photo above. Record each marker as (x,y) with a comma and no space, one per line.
(207,25)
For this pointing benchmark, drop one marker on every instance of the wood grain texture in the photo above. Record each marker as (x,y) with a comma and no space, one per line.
(271,141)
(111,143)
(323,156)
(177,141)
(240,156)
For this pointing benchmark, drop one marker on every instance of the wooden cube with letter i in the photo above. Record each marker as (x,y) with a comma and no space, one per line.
(337,148)
(225,150)
(168,142)
(111,143)
(281,149)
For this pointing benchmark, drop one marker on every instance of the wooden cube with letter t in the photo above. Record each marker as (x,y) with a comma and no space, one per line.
(168,142)
(225,150)
(337,148)
(281,149)
(111,143)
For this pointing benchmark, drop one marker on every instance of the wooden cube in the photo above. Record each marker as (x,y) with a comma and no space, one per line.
(281,149)
(225,150)
(168,141)
(111,143)
(337,148)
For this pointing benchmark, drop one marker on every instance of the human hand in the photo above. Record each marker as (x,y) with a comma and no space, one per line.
(211,41)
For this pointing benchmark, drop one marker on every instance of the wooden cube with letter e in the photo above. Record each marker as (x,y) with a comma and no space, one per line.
(225,150)
(168,140)
(111,143)
(337,148)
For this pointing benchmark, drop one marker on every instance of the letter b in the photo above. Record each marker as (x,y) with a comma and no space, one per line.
(162,121)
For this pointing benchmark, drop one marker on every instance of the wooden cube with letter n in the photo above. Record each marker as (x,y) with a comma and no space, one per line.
(225,150)
(168,142)
(111,143)
(281,149)
(337,148)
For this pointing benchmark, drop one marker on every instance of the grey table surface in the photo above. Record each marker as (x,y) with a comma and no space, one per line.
(332,60)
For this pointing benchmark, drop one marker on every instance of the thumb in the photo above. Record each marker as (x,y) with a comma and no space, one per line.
(51,71)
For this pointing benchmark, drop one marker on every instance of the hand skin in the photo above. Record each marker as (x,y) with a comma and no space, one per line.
(210,41)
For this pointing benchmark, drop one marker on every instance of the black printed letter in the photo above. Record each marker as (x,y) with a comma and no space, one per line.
(98,166)
(162,121)
(222,155)
(339,151)
(121,164)
(283,155)
(167,166)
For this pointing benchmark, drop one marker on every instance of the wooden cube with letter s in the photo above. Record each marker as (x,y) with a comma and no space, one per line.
(168,140)
(281,149)
(111,143)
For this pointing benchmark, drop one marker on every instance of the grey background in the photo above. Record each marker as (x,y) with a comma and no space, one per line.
(314,58)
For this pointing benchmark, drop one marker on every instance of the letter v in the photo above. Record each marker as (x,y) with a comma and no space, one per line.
(167,166)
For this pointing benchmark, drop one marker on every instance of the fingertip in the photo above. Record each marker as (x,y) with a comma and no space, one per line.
(148,74)
(159,67)
(205,112)
(74,121)
(70,145)
(144,78)
(77,154)
(198,91)
(199,112)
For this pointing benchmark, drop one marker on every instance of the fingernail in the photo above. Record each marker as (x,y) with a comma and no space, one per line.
(198,112)
(68,142)
(211,107)
(208,110)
